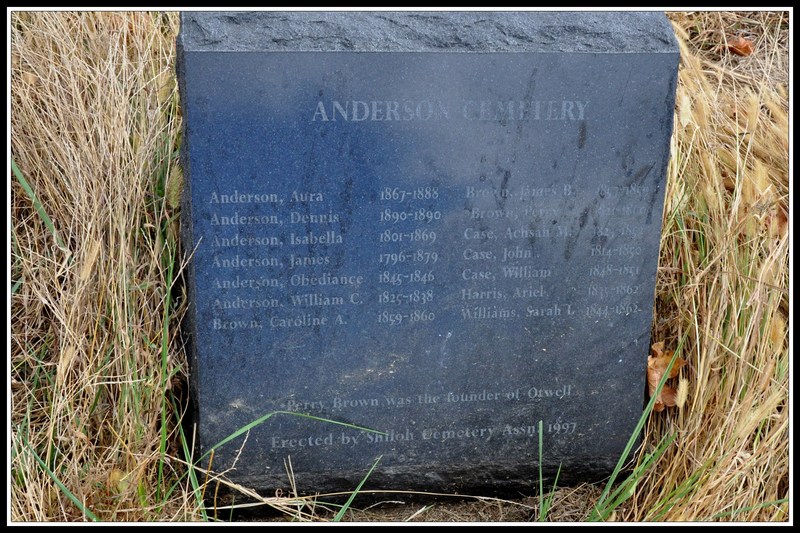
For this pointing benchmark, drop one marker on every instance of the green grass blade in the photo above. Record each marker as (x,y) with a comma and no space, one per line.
(626,488)
(37,205)
(261,420)
(749,508)
(63,488)
(164,366)
(352,497)
(545,503)
(601,509)
(684,489)
(548,503)
(541,481)
(190,471)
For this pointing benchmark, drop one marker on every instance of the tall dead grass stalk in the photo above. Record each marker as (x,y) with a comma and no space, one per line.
(94,126)
(723,279)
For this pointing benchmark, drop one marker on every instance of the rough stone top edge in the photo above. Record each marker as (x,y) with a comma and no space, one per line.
(428,31)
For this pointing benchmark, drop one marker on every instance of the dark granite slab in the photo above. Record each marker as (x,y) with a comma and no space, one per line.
(443,226)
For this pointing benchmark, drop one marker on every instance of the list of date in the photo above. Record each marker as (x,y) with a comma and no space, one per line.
(475,264)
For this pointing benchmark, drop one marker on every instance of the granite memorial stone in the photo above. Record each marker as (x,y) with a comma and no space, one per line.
(440,226)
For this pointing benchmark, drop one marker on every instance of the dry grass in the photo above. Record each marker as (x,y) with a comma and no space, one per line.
(94,128)
(723,279)
(95,346)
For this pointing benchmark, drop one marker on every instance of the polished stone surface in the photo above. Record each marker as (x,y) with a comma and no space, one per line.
(442,227)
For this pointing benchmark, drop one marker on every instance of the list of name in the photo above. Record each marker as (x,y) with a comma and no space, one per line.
(506,277)
(283,265)
(503,276)
(273,266)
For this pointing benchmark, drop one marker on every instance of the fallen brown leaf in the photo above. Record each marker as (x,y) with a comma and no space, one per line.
(740,46)
(656,367)
(657,348)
